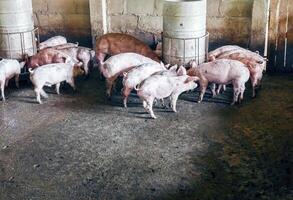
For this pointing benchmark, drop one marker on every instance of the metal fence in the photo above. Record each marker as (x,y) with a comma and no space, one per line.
(197,41)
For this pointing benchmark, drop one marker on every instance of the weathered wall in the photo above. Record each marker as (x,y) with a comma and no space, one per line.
(228,21)
(70,18)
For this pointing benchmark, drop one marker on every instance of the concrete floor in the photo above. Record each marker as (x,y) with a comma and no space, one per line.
(80,146)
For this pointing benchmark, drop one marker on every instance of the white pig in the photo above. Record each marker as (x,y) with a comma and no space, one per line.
(54,74)
(53,41)
(116,65)
(227,48)
(9,69)
(222,71)
(136,75)
(160,87)
(256,66)
(82,54)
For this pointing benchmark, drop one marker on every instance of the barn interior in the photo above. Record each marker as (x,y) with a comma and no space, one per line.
(81,145)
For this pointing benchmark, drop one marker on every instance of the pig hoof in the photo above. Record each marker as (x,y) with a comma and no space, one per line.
(199,101)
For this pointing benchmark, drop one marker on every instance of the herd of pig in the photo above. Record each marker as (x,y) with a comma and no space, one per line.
(121,55)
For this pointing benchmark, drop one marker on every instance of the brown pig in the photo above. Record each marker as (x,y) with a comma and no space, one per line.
(116,43)
(46,56)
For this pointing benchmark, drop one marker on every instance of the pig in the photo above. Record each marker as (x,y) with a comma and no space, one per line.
(160,86)
(65,46)
(46,56)
(9,68)
(54,74)
(82,54)
(256,66)
(116,43)
(227,48)
(136,75)
(116,65)
(53,41)
(255,62)
(222,71)
(172,71)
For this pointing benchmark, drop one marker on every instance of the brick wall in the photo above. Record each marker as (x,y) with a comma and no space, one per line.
(228,21)
(70,18)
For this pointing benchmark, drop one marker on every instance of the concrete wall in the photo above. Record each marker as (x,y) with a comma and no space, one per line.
(228,21)
(70,18)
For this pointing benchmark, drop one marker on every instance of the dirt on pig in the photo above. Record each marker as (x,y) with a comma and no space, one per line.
(80,146)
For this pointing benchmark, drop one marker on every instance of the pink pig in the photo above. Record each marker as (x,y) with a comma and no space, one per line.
(160,87)
(116,65)
(136,75)
(221,72)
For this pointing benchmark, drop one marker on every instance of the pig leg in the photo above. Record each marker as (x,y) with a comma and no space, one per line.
(126,92)
(150,108)
(236,96)
(2,90)
(148,105)
(203,86)
(57,88)
(145,105)
(38,94)
(109,86)
(254,86)
(224,88)
(71,83)
(220,88)
(6,82)
(43,94)
(163,102)
(242,89)
(17,80)
(236,90)
(174,99)
(86,66)
(213,88)
(100,57)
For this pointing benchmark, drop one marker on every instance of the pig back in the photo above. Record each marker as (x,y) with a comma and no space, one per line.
(156,86)
(115,43)
(117,64)
(45,56)
(10,66)
(222,71)
(136,75)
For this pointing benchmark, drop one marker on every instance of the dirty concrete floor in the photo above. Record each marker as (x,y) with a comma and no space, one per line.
(80,146)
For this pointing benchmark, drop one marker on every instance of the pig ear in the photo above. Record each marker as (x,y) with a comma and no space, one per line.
(173,68)
(212,58)
(22,64)
(181,71)
(167,66)
(191,78)
(193,64)
(257,52)
(80,64)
